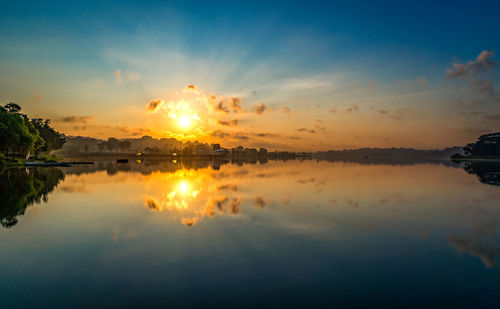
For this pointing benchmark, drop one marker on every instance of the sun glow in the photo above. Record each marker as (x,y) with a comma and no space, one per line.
(184,122)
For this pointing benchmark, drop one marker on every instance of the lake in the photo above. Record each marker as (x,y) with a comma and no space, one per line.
(251,234)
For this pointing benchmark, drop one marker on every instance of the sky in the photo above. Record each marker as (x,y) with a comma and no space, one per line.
(285,75)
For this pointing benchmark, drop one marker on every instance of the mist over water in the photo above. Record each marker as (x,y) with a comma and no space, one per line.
(251,233)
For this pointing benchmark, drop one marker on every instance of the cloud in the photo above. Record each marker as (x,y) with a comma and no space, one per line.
(235,105)
(371,85)
(354,108)
(240,137)
(394,114)
(482,63)
(229,123)
(320,125)
(219,134)
(285,110)
(133,76)
(118,75)
(154,104)
(260,108)
(306,130)
(76,119)
(191,88)
(333,110)
(218,106)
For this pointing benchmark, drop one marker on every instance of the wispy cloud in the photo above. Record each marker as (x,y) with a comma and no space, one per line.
(76,119)
(260,108)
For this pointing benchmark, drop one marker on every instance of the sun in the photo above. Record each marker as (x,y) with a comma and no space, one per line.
(184,121)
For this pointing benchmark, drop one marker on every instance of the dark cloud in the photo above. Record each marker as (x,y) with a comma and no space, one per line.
(235,105)
(191,88)
(77,119)
(306,130)
(260,108)
(240,137)
(230,123)
(217,105)
(219,134)
(153,105)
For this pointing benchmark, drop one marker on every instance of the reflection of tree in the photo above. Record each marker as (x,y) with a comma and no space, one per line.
(487,172)
(20,188)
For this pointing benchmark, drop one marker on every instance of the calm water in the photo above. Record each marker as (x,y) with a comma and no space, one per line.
(277,234)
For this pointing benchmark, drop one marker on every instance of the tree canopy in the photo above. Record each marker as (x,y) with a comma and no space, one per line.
(20,136)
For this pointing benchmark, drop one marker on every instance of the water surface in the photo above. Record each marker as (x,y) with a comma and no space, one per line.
(272,234)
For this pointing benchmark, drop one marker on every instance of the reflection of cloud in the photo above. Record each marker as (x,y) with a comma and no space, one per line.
(227,187)
(487,253)
(259,202)
(77,188)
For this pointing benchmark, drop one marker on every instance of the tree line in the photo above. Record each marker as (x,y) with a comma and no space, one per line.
(21,136)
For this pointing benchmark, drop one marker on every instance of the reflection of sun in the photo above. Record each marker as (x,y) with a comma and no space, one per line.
(184,188)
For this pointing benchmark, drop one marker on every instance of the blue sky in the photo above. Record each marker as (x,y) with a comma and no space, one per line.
(67,54)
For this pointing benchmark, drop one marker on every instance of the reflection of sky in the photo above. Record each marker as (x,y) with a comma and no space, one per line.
(334,229)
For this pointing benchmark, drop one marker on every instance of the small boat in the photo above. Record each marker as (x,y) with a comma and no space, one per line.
(122,161)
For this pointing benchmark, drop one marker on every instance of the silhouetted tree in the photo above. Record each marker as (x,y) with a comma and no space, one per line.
(124,145)
(53,140)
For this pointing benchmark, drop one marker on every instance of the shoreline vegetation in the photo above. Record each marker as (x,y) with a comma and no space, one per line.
(33,142)
(22,138)
(486,148)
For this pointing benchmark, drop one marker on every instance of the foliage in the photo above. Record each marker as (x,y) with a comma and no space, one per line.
(487,145)
(20,136)
(53,139)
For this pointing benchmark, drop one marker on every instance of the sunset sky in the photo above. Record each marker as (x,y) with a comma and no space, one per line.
(277,74)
